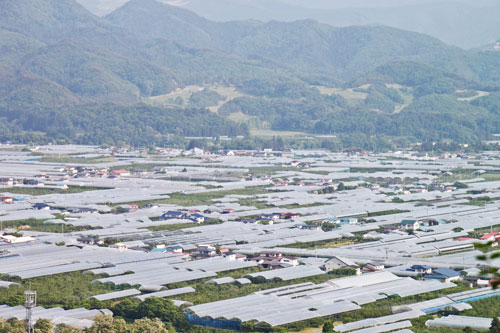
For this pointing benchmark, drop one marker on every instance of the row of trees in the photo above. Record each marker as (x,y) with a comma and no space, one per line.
(102,324)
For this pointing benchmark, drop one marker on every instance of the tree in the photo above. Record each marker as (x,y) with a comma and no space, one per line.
(495,325)
(107,324)
(468,329)
(146,325)
(44,326)
(328,327)
(341,187)
(63,328)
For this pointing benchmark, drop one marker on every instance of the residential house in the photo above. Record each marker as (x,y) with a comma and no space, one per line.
(198,218)
(409,225)
(175,249)
(16,240)
(6,200)
(443,274)
(90,241)
(274,260)
(204,251)
(6,181)
(491,236)
(120,173)
(272,216)
(308,226)
(374,267)
(173,215)
(421,269)
(40,206)
(348,220)
(338,263)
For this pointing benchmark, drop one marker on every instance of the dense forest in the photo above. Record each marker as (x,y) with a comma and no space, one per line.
(70,76)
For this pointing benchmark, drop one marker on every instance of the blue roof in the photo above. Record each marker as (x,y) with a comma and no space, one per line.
(443,273)
(421,267)
(174,213)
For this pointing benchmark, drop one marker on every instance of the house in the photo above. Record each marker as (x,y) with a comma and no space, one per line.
(288,216)
(443,274)
(348,220)
(120,173)
(151,206)
(204,251)
(6,181)
(272,216)
(197,218)
(90,240)
(40,206)
(81,210)
(6,200)
(175,249)
(173,215)
(477,281)
(421,269)
(491,236)
(308,226)
(334,220)
(119,246)
(288,261)
(16,240)
(274,259)
(32,182)
(409,225)
(337,263)
(374,267)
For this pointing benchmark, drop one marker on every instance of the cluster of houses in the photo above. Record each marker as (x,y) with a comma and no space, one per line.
(191,215)
(269,218)
(274,260)
(413,225)
(12,239)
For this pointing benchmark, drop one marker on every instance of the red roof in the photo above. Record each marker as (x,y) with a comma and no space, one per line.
(463,238)
(489,235)
(121,171)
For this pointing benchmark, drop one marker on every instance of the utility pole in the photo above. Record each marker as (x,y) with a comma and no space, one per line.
(29,304)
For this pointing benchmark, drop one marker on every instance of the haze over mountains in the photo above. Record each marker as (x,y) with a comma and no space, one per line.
(462,23)
(150,72)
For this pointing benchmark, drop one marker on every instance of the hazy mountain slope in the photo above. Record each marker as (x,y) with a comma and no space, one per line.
(98,74)
(302,46)
(15,46)
(18,87)
(462,23)
(82,78)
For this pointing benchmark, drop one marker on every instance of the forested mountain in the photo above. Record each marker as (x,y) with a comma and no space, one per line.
(462,23)
(152,68)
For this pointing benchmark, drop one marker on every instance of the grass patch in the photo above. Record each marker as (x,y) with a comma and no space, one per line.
(383,307)
(68,290)
(202,198)
(387,212)
(43,226)
(212,292)
(178,226)
(324,244)
(51,190)
(77,160)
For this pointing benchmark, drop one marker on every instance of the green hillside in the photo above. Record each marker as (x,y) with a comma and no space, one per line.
(69,75)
